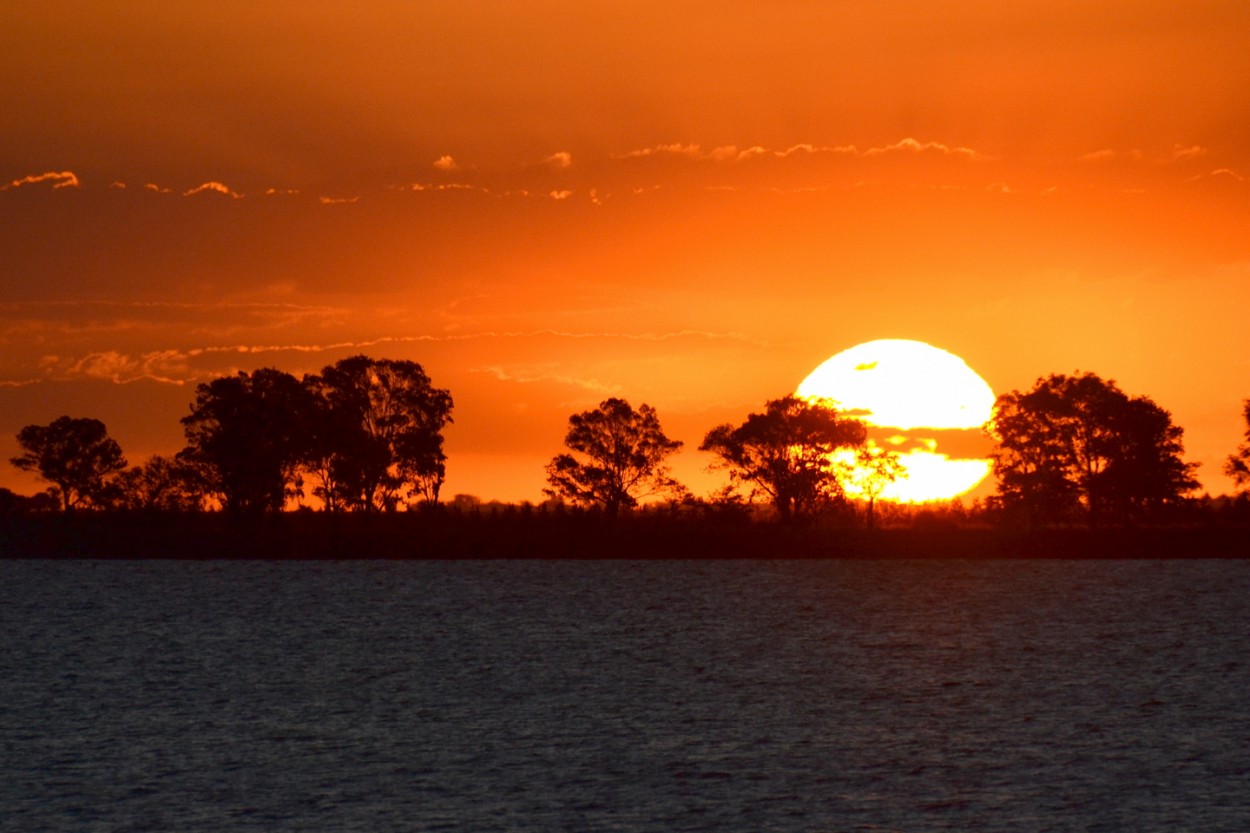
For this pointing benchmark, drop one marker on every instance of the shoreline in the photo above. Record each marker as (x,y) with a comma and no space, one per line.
(570,536)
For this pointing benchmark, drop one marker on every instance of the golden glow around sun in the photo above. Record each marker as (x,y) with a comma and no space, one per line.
(919,401)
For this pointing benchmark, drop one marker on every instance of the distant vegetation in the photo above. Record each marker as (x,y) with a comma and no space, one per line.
(365,436)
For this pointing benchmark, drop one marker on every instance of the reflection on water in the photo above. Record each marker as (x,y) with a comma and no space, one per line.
(583,696)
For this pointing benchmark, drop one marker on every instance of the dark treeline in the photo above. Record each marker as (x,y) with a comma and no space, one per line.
(362,435)
(364,438)
(551,532)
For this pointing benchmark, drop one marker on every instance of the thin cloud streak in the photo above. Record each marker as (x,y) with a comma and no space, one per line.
(166,305)
(600,177)
(215,187)
(173,366)
(536,377)
(731,153)
(910,145)
(59,179)
(500,334)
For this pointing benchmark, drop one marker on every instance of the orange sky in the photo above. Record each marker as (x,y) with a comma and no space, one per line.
(690,205)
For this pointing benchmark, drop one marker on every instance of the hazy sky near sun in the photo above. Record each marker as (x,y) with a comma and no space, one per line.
(685,204)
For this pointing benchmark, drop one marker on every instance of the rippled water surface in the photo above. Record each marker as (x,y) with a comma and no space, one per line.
(594,696)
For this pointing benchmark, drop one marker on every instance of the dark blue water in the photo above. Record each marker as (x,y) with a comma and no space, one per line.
(596,696)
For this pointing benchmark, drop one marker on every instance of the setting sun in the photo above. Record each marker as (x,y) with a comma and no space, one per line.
(919,401)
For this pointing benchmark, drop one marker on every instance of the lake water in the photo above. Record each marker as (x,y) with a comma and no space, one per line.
(625,696)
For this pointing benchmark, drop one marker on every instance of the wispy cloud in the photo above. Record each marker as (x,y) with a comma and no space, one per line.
(334,346)
(1220,173)
(96,304)
(505,182)
(910,145)
(215,187)
(722,153)
(24,323)
(163,366)
(1104,155)
(1180,152)
(181,366)
(446,164)
(803,149)
(529,376)
(731,153)
(445,186)
(1111,155)
(691,151)
(59,179)
(1005,188)
(560,160)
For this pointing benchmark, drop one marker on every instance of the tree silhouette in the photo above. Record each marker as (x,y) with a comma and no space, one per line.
(246,435)
(622,453)
(76,455)
(1238,465)
(1079,443)
(162,484)
(786,453)
(870,474)
(376,433)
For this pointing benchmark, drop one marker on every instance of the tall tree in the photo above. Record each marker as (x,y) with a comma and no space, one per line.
(246,435)
(787,453)
(618,458)
(1079,443)
(377,433)
(76,455)
(1238,465)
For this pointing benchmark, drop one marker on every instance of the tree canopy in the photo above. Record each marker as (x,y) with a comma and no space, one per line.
(1238,464)
(1077,444)
(246,435)
(160,484)
(369,431)
(787,453)
(375,433)
(620,458)
(870,473)
(76,455)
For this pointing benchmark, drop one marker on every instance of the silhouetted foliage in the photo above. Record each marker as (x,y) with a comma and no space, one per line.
(1238,465)
(161,484)
(622,454)
(246,435)
(75,455)
(786,453)
(870,474)
(12,503)
(376,434)
(1077,444)
(466,503)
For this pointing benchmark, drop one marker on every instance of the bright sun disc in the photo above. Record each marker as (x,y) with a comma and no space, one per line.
(920,401)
